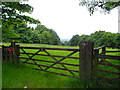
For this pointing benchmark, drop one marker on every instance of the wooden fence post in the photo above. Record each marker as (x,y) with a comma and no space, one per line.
(86,60)
(103,52)
(17,53)
(95,62)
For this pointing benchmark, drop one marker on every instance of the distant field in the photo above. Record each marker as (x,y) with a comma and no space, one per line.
(40,45)
(39,79)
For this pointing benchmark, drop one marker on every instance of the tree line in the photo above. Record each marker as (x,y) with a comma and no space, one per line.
(100,38)
(40,34)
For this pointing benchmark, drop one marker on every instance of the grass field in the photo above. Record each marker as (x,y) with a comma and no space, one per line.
(17,76)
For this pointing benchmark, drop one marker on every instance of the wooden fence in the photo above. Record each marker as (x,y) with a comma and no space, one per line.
(10,53)
(89,59)
(102,57)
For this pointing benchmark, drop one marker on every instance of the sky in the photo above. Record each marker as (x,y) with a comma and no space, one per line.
(67,18)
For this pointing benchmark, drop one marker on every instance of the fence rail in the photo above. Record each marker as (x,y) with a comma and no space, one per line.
(99,48)
(110,65)
(116,73)
(108,56)
(51,61)
(43,48)
(51,55)
(50,67)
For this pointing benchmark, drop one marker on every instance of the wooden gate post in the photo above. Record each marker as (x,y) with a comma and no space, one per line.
(17,53)
(95,62)
(86,60)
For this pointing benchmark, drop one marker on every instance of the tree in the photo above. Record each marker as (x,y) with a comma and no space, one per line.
(47,36)
(83,37)
(117,39)
(107,39)
(96,37)
(75,40)
(65,43)
(25,33)
(105,5)
(100,38)
(12,17)
(55,38)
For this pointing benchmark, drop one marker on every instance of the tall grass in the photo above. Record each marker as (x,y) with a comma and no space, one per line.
(17,76)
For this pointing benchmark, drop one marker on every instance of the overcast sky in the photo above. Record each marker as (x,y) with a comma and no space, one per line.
(67,18)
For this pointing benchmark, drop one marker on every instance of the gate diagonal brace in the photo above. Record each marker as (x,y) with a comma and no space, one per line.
(58,62)
(25,52)
(30,57)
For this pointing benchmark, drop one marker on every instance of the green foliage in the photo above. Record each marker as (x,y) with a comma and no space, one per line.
(100,38)
(105,5)
(83,37)
(47,36)
(117,39)
(107,39)
(12,18)
(40,34)
(66,43)
(74,41)
(25,33)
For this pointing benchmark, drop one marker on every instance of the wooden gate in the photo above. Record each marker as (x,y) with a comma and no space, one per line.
(37,55)
(76,63)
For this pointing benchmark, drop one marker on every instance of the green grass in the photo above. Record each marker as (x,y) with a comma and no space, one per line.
(17,76)
(39,45)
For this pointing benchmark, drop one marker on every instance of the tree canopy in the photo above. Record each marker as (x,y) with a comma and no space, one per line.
(100,38)
(12,18)
(105,5)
